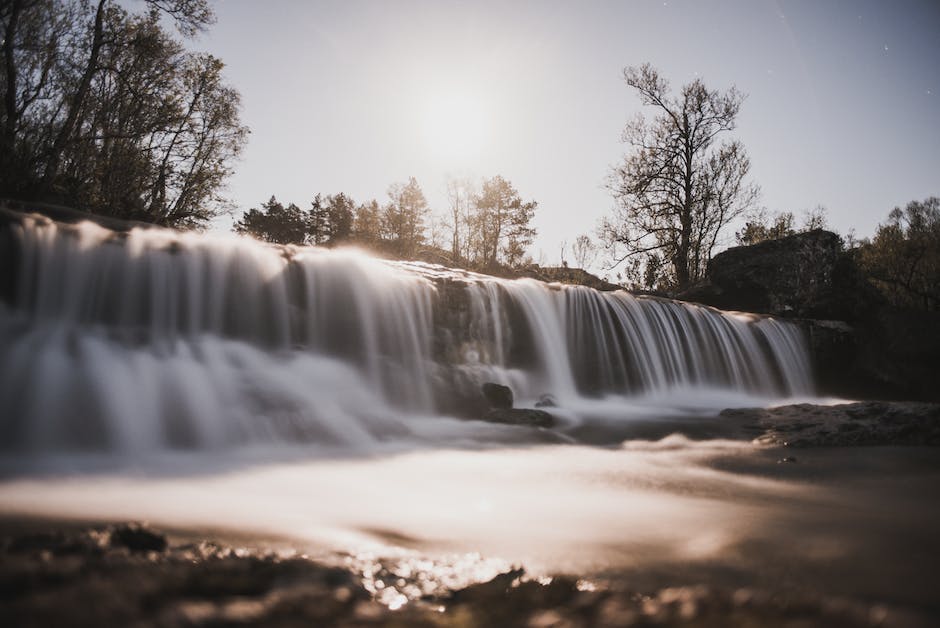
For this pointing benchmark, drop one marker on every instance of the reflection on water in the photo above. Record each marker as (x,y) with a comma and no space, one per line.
(851,521)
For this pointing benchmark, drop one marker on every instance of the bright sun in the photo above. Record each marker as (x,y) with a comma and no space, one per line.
(456,127)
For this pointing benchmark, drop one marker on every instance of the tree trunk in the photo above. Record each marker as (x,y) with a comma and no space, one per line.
(9,101)
(55,153)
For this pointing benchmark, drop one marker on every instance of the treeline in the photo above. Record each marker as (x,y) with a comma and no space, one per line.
(902,259)
(486,226)
(104,109)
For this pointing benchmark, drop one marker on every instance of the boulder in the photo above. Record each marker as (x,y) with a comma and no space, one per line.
(546,401)
(869,423)
(498,396)
(137,538)
(805,275)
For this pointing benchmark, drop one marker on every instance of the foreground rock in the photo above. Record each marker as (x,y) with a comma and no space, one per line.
(864,423)
(67,576)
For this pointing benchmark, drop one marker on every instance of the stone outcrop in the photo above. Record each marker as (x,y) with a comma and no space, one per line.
(806,275)
(870,423)
(861,347)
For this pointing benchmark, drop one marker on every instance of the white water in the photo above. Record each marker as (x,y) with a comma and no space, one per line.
(151,341)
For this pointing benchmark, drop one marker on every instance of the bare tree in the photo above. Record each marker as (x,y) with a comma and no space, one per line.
(678,187)
(460,195)
(584,251)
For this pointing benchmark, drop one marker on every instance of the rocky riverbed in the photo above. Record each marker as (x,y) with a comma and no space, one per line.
(61,574)
(784,520)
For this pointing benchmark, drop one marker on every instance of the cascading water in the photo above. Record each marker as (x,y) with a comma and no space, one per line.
(151,339)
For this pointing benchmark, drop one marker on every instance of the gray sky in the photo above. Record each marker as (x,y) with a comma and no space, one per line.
(843,105)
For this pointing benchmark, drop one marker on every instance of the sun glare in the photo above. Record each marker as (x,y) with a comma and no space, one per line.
(456,126)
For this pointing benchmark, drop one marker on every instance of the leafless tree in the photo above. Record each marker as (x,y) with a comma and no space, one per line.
(678,187)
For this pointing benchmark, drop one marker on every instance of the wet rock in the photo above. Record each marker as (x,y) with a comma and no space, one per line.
(137,538)
(498,396)
(546,401)
(854,424)
(520,416)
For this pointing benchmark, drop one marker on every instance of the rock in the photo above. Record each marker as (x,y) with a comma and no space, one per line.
(805,275)
(138,538)
(546,401)
(520,416)
(498,396)
(868,423)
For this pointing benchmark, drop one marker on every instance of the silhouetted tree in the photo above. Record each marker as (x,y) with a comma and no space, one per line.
(105,110)
(760,226)
(678,188)
(275,223)
(903,259)
(340,211)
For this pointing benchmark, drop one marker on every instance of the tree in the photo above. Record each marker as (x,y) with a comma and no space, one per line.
(275,223)
(679,187)
(460,195)
(368,229)
(405,217)
(502,223)
(903,259)
(340,210)
(760,226)
(584,251)
(105,110)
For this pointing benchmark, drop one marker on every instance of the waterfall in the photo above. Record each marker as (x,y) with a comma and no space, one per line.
(155,339)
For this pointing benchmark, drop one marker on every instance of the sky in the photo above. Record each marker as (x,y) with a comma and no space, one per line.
(843,106)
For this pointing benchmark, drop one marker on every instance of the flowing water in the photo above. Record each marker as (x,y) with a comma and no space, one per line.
(331,397)
(151,340)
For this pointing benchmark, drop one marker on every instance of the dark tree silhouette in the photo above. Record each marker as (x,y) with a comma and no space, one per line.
(275,223)
(105,110)
(678,187)
(903,259)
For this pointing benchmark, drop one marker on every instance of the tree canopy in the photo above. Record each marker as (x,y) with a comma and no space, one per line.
(487,226)
(678,187)
(105,110)
(903,258)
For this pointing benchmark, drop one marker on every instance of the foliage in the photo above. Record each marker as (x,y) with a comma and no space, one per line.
(678,188)
(275,223)
(903,258)
(500,224)
(486,227)
(584,251)
(104,109)
(405,217)
(760,226)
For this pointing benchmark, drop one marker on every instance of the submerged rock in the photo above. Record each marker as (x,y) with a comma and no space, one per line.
(546,401)
(520,416)
(498,396)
